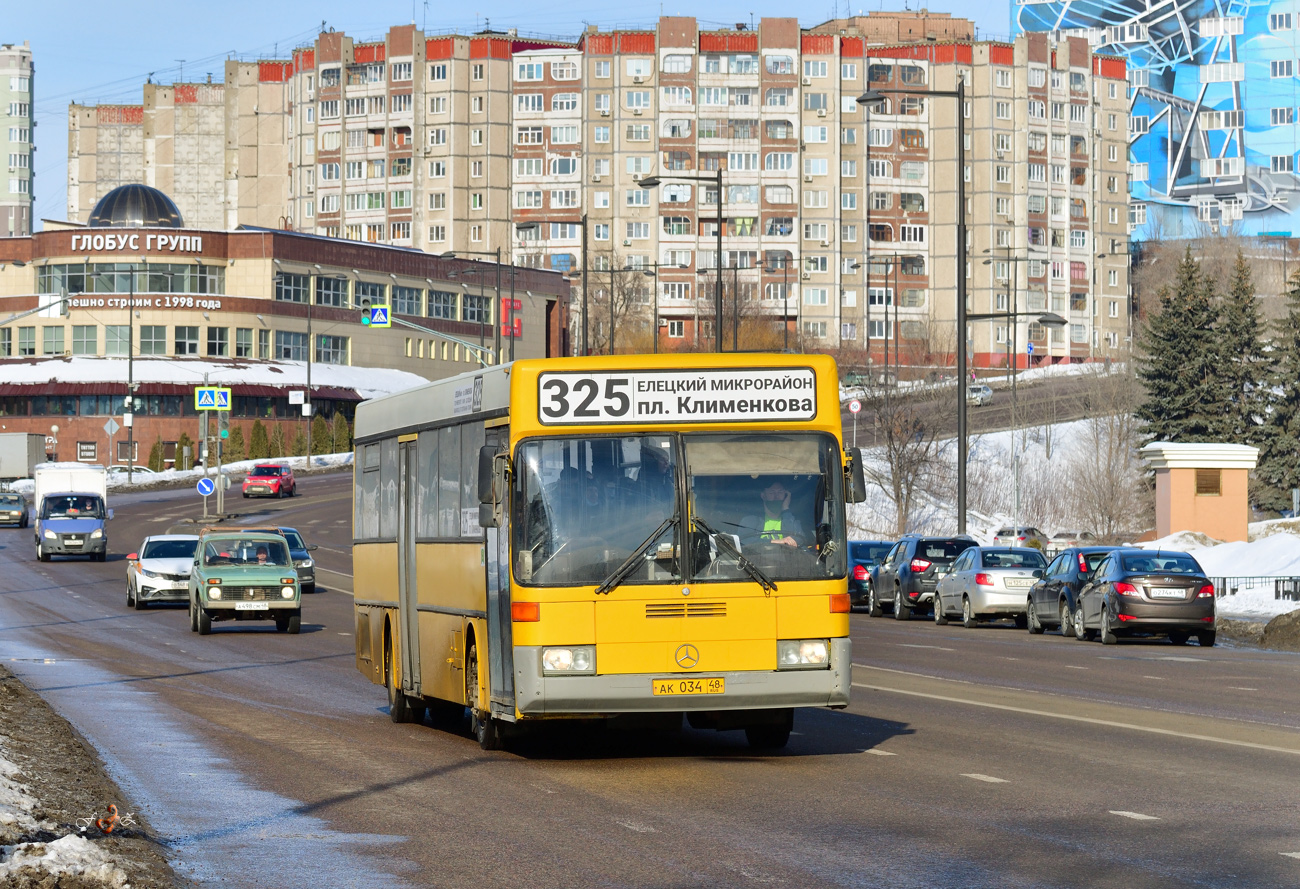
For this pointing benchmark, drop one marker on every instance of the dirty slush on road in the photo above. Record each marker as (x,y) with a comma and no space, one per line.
(53,790)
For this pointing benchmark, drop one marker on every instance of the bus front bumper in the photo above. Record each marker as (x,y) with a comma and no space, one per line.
(538,695)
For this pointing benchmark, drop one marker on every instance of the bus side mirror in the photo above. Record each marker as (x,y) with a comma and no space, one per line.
(486,457)
(857,481)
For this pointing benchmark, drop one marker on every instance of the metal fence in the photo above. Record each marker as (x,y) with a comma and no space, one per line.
(1282,587)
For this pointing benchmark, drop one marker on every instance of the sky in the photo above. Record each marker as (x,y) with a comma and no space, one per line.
(91,53)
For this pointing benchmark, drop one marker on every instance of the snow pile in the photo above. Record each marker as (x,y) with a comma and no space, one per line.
(1257,562)
(16,805)
(368,382)
(71,855)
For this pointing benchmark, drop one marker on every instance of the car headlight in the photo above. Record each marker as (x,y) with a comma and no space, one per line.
(50,535)
(802,654)
(286,593)
(144,573)
(214,592)
(569,660)
(97,533)
(305,563)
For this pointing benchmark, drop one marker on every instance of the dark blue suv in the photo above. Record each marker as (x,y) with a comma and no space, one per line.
(864,556)
(905,581)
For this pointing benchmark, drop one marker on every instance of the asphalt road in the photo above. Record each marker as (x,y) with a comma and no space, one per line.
(983,757)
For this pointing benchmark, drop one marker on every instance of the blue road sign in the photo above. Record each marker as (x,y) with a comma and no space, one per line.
(205,486)
(1029,347)
(379,317)
(211,398)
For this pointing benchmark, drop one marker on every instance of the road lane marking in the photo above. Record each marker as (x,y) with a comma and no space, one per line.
(875,752)
(1290,854)
(1239,688)
(935,647)
(1156,678)
(1069,717)
(1136,816)
(987,779)
(331,571)
(637,826)
(1072,667)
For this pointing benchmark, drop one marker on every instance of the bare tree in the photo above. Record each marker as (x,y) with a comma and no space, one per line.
(908,445)
(1105,472)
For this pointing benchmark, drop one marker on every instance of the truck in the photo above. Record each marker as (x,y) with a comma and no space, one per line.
(71,510)
(19,454)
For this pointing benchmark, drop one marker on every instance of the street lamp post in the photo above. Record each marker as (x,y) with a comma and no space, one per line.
(874,97)
(653,182)
(785,300)
(651,271)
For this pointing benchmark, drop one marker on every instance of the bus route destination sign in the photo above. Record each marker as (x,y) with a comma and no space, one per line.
(707,395)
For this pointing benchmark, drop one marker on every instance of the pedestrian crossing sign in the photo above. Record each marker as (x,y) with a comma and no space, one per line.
(211,398)
(379,317)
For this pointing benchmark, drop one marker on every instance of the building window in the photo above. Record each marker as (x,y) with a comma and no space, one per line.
(290,346)
(85,339)
(676,329)
(332,349)
(153,340)
(218,342)
(331,291)
(292,288)
(52,341)
(117,339)
(187,340)
(1209,482)
(1282,67)
(243,342)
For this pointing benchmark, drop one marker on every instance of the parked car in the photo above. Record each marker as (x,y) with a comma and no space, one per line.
(13,509)
(988,583)
(118,469)
(1019,535)
(864,556)
(1051,601)
(160,571)
(978,394)
(270,480)
(1136,591)
(244,574)
(303,563)
(907,578)
(1063,539)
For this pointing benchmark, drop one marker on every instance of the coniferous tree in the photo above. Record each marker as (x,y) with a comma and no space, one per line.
(156,456)
(1181,360)
(299,446)
(259,447)
(1278,470)
(1246,365)
(320,435)
(276,443)
(235,448)
(181,444)
(341,435)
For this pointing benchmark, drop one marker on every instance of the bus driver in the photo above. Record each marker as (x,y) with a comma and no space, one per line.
(777,524)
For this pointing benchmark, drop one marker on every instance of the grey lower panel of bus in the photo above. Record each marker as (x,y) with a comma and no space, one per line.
(539,695)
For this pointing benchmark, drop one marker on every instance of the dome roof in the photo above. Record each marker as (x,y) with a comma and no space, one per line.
(135,206)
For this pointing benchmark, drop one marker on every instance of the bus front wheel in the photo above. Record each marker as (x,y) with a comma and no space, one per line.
(399,705)
(487,731)
(773,735)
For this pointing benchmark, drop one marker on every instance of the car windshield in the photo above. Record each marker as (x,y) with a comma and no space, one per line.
(1012,558)
(586,504)
(779,499)
(294,538)
(942,551)
(264,472)
(11,500)
(868,552)
(1161,563)
(169,549)
(246,552)
(72,506)
(1092,560)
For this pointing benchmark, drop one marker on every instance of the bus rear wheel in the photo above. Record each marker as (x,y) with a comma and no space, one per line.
(487,731)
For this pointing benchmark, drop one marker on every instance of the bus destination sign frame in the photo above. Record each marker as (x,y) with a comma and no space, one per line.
(699,395)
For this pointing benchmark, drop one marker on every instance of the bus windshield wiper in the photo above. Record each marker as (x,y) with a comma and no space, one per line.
(725,544)
(638,555)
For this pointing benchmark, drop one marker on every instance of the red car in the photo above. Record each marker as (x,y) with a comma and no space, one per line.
(270,480)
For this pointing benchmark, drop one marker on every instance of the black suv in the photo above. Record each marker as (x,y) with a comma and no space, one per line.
(906,579)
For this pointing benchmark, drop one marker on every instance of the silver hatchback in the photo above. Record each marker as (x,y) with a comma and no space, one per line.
(988,583)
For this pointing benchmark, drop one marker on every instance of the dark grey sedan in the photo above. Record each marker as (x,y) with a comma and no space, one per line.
(1051,599)
(1136,592)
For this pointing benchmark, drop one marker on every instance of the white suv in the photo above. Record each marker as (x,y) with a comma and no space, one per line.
(978,394)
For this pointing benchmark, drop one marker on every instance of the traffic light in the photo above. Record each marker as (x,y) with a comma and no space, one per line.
(364,306)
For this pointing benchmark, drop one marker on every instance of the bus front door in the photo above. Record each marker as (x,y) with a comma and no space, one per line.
(501,661)
(407,592)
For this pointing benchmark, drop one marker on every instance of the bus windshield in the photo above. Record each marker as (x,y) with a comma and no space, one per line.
(778,496)
(586,504)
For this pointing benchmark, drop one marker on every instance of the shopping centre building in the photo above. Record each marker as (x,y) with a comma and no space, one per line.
(263,311)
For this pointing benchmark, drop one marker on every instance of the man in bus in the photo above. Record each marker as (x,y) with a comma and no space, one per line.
(776,524)
(654,480)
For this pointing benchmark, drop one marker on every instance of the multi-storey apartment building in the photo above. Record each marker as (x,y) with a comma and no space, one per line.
(837,216)
(17,119)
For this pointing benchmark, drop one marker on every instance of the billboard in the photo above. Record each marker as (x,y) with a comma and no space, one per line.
(1213,95)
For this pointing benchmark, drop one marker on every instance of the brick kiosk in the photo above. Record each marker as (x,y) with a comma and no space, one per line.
(1202,487)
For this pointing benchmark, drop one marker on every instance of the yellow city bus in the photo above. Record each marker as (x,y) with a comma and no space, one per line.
(605,536)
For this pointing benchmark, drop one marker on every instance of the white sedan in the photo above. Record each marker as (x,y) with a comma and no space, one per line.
(160,571)
(988,583)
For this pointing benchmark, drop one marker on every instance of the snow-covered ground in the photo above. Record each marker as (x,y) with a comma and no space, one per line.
(72,854)
(1269,554)
(996,380)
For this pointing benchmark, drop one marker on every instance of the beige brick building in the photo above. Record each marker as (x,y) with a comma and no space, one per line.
(841,221)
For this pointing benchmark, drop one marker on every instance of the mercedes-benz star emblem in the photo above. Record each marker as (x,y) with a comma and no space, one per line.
(687,656)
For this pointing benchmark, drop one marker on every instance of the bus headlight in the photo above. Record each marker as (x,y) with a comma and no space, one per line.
(802,654)
(569,661)
(286,593)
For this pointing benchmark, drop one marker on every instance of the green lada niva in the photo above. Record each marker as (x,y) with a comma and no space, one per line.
(244,574)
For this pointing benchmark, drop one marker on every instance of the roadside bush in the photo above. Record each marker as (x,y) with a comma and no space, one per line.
(259,446)
(320,435)
(299,446)
(341,434)
(235,449)
(156,456)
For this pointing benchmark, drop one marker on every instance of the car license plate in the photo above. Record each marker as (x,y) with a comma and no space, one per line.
(1158,593)
(1018,582)
(704,685)
(250,606)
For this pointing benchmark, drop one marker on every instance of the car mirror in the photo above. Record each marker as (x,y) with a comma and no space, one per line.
(313,547)
(857,485)
(1038,572)
(133,556)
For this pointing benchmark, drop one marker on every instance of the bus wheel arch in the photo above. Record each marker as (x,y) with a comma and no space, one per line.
(485,728)
(399,706)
